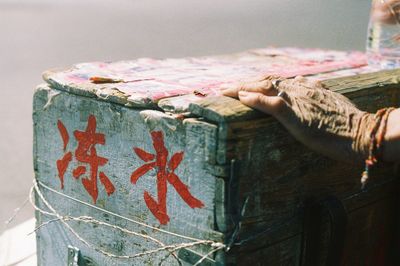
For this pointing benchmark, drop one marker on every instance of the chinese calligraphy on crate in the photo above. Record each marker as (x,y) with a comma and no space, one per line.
(86,154)
(148,146)
(164,174)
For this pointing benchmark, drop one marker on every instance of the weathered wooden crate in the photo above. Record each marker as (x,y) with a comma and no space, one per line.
(134,156)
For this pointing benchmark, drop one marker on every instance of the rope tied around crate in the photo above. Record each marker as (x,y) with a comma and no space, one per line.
(64,219)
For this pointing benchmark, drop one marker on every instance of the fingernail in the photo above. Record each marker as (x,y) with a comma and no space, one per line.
(243,93)
(229,92)
(226,86)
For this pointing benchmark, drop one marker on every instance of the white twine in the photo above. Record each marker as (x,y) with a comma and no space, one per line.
(87,219)
(111,213)
(208,254)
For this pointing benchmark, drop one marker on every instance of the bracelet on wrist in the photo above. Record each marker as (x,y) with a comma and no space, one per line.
(377,135)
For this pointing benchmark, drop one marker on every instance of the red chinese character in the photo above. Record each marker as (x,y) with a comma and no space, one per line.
(85,153)
(63,163)
(164,173)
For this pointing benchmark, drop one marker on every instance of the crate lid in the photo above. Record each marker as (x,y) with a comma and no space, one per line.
(172,84)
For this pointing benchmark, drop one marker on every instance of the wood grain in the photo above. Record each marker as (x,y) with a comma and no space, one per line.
(358,87)
(232,153)
(124,129)
(279,174)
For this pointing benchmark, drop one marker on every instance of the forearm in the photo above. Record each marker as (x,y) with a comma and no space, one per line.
(323,120)
(391,146)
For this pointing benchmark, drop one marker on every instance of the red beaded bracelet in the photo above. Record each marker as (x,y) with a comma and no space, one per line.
(375,146)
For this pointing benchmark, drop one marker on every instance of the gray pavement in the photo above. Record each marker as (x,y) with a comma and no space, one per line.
(36,35)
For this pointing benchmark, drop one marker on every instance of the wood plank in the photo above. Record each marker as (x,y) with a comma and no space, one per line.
(384,78)
(278,173)
(142,83)
(223,109)
(370,234)
(370,224)
(285,252)
(356,87)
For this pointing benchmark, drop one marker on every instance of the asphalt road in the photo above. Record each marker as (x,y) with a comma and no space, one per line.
(36,35)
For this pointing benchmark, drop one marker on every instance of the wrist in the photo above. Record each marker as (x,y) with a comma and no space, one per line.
(363,124)
(377,136)
(376,129)
(391,140)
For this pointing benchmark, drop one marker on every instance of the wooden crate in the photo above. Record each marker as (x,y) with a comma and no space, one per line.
(146,156)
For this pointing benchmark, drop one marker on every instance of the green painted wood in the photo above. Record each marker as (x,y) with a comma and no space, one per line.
(223,141)
(124,129)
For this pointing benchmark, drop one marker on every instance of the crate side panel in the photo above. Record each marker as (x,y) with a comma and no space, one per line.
(286,252)
(278,174)
(125,131)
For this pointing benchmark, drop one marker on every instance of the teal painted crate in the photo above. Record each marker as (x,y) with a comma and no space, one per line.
(142,162)
(121,160)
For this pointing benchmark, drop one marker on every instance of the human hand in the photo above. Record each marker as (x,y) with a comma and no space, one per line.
(325,121)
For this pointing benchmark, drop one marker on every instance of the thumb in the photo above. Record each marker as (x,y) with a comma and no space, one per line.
(272,105)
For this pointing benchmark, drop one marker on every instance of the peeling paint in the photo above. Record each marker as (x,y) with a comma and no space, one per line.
(156,118)
(51,94)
